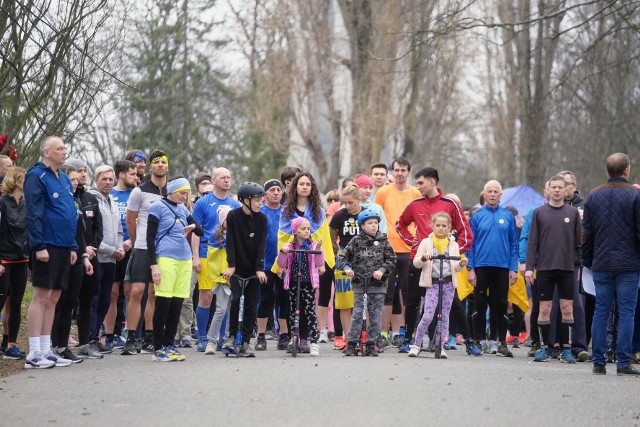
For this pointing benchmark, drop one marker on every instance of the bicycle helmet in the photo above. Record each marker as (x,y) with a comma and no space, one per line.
(365,215)
(249,190)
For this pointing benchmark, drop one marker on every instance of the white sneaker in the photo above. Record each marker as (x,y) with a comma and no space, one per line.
(324,336)
(414,351)
(443,355)
(58,360)
(38,361)
(211,348)
(314,350)
(493,347)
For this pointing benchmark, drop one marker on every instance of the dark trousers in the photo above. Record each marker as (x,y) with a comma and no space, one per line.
(100,302)
(64,308)
(251,291)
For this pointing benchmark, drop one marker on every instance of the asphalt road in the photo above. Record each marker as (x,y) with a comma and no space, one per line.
(275,389)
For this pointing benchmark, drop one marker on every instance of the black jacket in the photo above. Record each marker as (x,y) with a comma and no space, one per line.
(87,205)
(13,229)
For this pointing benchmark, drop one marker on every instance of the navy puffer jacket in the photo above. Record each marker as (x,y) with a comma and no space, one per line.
(611,227)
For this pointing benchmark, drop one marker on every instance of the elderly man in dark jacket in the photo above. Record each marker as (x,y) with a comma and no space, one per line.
(611,249)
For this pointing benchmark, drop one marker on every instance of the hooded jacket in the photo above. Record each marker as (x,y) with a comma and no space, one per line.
(366,254)
(426,247)
(316,261)
(13,229)
(112,236)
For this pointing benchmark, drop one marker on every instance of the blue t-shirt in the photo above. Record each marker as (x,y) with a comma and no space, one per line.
(205,212)
(271,246)
(122,198)
(171,241)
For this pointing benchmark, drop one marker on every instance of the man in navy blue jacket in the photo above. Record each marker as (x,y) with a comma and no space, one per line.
(51,214)
(611,249)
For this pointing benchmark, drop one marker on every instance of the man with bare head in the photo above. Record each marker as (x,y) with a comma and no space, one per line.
(493,267)
(379,178)
(51,215)
(205,212)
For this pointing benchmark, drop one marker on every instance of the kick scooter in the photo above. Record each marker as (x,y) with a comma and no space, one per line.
(437,337)
(295,327)
(238,342)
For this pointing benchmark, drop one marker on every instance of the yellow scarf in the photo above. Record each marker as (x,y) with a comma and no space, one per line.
(439,244)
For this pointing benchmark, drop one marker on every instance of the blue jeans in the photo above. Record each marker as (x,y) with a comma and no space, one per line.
(623,285)
(636,330)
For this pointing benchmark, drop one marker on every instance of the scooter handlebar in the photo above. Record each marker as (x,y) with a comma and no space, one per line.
(439,256)
(304,251)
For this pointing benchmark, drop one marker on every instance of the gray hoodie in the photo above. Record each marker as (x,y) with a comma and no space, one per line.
(111,227)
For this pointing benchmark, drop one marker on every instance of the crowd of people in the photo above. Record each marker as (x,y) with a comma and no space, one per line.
(145,265)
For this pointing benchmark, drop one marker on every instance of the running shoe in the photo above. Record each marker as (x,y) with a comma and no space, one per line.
(397,340)
(129,348)
(383,341)
(88,351)
(542,355)
(323,337)
(555,353)
(118,342)
(414,351)
(283,342)
(304,346)
(108,344)
(161,356)
(202,344)
(443,355)
(493,347)
(38,361)
(372,349)
(405,347)
(567,356)
(453,345)
(485,347)
(472,348)
(314,350)
(339,343)
(528,342)
(534,349)
(58,360)
(174,354)
(510,339)
(629,370)
(599,370)
(229,343)
(503,350)
(522,338)
(186,343)
(515,343)
(102,349)
(351,349)
(246,349)
(261,344)
(582,356)
(138,345)
(68,354)
(148,348)
(211,347)
(13,353)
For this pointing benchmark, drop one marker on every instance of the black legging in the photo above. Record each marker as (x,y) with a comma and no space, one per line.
(65,305)
(272,294)
(88,290)
(12,284)
(326,281)
(458,318)
(535,312)
(397,284)
(166,317)
(496,280)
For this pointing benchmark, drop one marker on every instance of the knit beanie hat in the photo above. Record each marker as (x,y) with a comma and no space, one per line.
(363,180)
(272,183)
(295,224)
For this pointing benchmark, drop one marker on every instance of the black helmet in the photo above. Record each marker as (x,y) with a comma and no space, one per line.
(249,190)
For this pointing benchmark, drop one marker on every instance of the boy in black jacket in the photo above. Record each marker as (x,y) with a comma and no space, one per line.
(246,237)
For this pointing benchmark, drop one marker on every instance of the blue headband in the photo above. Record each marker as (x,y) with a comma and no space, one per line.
(138,156)
(178,185)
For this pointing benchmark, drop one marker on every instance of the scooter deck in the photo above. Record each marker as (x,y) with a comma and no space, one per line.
(231,352)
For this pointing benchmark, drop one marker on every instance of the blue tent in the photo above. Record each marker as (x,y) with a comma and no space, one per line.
(521,197)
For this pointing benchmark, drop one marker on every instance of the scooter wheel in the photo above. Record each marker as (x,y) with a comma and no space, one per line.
(294,346)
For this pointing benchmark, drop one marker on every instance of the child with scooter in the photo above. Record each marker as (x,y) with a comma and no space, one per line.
(305,270)
(438,243)
(369,255)
(246,237)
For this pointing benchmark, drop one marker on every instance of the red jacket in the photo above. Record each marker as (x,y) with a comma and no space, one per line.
(419,213)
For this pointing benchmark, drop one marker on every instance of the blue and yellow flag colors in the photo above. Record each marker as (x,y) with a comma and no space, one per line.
(319,230)
(517,292)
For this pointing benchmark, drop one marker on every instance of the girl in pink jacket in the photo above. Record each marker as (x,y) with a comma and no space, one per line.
(308,266)
(438,243)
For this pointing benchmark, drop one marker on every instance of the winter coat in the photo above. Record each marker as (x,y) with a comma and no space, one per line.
(112,236)
(366,254)
(285,261)
(426,247)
